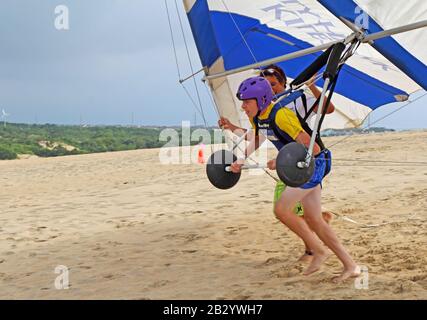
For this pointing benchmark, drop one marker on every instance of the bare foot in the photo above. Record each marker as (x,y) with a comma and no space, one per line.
(327,216)
(306,257)
(316,263)
(347,273)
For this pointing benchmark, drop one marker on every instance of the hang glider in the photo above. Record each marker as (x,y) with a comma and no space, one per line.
(235,36)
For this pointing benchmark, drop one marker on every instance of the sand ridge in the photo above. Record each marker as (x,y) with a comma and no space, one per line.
(130,228)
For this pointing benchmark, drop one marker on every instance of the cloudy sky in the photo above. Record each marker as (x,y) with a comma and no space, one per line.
(115,63)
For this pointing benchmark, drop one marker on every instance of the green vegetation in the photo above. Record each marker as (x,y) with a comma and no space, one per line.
(58,140)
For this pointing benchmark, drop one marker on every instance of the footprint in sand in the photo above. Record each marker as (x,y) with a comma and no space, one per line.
(159,284)
(189,251)
(287,272)
(240,294)
(190,213)
(97,248)
(400,288)
(272,261)
(85,267)
(251,196)
(186,237)
(231,230)
(419,277)
(40,240)
(114,243)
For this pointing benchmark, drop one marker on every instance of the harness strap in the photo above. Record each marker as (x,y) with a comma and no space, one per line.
(292,97)
(324,111)
(255,120)
(304,123)
(328,161)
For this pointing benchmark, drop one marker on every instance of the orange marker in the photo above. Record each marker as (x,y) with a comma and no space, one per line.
(201,157)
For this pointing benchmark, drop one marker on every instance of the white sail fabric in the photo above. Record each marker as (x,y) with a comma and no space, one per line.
(234,33)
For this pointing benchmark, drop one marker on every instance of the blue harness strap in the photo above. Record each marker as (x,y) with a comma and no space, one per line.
(292,97)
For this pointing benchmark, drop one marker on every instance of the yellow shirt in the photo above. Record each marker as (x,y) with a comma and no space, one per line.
(286,120)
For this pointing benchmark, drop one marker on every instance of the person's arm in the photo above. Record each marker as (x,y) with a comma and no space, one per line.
(305,139)
(225,124)
(317,93)
(255,143)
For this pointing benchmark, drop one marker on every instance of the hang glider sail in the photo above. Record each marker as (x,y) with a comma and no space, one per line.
(232,36)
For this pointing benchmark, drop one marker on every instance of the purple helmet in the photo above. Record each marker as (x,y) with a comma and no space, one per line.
(256,88)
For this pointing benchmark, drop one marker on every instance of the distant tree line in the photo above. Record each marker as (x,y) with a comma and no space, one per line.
(59,140)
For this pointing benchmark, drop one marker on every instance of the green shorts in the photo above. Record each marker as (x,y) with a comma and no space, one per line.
(280,187)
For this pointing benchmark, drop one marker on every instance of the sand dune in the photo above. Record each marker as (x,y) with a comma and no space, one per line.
(128,227)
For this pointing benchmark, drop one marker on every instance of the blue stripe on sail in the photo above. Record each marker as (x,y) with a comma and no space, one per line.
(388,47)
(371,92)
(203,33)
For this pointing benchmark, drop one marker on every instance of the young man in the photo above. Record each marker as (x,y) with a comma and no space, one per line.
(278,82)
(283,127)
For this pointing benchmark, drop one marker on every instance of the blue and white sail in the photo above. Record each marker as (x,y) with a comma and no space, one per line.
(230,34)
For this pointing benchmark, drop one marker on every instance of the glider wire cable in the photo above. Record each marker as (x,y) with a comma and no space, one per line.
(350,52)
(238,144)
(240,32)
(191,66)
(256,61)
(199,108)
(381,162)
(247,46)
(176,60)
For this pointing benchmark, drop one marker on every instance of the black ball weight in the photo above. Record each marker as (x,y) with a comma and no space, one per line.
(215,170)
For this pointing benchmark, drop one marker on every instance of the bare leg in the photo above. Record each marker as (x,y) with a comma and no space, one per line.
(308,254)
(313,217)
(284,212)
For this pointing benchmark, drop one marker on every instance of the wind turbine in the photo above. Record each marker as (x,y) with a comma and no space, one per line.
(3,116)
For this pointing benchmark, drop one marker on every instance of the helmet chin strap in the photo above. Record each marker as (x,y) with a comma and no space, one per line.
(256,123)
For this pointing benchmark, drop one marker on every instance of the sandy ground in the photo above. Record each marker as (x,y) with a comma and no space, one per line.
(127,227)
